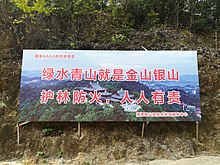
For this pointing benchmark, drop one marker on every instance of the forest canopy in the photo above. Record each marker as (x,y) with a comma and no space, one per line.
(66,24)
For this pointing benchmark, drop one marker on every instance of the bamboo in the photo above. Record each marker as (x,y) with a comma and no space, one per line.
(216,41)
(79,129)
(197,131)
(143,129)
(18,133)
(142,132)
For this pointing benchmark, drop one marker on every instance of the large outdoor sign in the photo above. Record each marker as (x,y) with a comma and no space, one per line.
(81,85)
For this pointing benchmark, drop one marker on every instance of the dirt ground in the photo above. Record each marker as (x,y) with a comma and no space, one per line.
(106,143)
(204,160)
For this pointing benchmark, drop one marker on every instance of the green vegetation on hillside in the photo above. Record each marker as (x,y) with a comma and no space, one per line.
(104,24)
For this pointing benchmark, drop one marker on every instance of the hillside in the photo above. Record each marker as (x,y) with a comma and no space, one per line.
(116,142)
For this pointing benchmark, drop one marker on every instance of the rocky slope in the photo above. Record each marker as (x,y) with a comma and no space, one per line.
(102,143)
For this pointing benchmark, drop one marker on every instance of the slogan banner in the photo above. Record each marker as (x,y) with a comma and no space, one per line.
(85,85)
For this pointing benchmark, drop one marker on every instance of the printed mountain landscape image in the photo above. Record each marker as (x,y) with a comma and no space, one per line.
(64,89)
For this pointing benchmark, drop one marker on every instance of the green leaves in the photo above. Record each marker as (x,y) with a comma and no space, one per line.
(39,6)
(22,4)
(17,21)
(118,38)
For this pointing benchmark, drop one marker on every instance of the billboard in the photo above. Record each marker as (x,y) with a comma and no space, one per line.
(86,85)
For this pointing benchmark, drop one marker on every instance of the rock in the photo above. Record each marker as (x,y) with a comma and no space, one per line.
(2,105)
(119,153)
